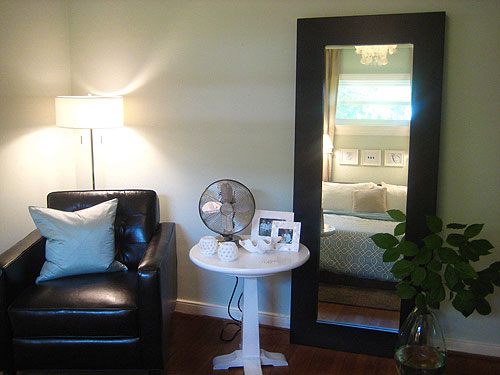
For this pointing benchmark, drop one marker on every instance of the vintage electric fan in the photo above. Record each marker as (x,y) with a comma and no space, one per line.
(227,207)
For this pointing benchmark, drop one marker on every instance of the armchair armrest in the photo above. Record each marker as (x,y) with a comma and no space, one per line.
(19,267)
(157,279)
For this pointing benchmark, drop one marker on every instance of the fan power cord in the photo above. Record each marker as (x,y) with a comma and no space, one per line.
(235,321)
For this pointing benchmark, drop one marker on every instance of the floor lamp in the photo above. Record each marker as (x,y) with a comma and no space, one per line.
(89,112)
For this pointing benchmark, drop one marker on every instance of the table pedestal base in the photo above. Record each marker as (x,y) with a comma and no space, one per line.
(252,365)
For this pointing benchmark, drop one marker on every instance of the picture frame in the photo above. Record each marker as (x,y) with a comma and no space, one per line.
(394,158)
(348,156)
(371,158)
(290,233)
(262,223)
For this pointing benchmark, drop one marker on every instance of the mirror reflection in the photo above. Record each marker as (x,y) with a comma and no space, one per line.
(367,112)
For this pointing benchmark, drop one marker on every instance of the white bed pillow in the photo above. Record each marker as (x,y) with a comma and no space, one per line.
(338,197)
(396,197)
(370,200)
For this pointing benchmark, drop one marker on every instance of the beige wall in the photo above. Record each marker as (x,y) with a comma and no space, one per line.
(363,173)
(35,157)
(209,93)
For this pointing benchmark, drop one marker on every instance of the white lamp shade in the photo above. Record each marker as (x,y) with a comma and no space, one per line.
(89,112)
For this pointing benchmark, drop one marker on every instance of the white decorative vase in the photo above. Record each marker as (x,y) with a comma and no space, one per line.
(208,245)
(228,251)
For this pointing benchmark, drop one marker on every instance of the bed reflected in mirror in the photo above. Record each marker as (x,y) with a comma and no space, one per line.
(367,113)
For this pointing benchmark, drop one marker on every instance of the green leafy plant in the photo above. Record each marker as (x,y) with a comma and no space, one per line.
(437,262)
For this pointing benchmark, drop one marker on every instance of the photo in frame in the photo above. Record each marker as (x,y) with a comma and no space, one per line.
(289,232)
(394,158)
(371,157)
(348,156)
(262,222)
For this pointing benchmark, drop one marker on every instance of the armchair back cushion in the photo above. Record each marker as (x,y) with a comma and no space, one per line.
(137,217)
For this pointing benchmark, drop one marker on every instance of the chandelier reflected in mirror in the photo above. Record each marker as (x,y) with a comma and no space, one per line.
(375,55)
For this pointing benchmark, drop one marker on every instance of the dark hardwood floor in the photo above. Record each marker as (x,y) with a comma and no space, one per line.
(195,342)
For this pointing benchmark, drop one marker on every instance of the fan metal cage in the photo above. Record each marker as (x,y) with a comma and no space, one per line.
(226,207)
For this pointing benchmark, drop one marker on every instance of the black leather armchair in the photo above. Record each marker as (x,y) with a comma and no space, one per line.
(106,321)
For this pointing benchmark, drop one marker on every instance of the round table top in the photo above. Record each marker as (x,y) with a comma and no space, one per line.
(251,264)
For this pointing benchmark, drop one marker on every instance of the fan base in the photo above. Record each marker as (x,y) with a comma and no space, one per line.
(229,238)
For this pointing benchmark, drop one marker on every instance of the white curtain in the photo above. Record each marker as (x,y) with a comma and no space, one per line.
(332,72)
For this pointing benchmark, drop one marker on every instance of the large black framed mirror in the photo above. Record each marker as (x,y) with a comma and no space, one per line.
(423,34)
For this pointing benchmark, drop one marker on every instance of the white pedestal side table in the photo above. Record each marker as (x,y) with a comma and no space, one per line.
(250,266)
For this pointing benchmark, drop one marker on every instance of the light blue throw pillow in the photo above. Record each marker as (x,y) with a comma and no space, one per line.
(78,242)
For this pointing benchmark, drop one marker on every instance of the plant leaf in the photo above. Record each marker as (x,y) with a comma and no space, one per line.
(397,215)
(435,265)
(450,277)
(482,306)
(469,252)
(435,224)
(391,255)
(473,230)
(418,275)
(402,268)
(405,291)
(495,266)
(465,271)
(400,229)
(456,226)
(433,241)
(432,280)
(424,256)
(436,294)
(481,247)
(490,275)
(464,302)
(448,255)
(384,240)
(481,287)
(455,239)
(408,248)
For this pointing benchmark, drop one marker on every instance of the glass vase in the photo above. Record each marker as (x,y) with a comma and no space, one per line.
(420,348)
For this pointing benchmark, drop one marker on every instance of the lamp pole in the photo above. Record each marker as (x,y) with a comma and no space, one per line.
(92,157)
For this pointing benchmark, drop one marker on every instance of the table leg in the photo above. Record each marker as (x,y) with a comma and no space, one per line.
(250,344)
(250,357)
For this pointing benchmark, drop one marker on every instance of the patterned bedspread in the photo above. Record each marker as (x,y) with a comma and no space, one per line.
(349,250)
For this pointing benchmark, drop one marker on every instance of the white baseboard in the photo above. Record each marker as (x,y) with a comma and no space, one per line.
(473,347)
(216,311)
(283,321)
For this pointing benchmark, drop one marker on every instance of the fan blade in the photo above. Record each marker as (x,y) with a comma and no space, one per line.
(227,223)
(211,207)
(242,207)
(226,193)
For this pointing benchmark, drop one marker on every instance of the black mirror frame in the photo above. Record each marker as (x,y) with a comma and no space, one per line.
(425,31)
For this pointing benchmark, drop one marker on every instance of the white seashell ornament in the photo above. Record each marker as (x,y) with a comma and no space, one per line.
(261,246)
